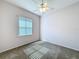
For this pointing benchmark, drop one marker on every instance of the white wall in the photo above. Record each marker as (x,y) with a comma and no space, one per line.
(62,27)
(9,26)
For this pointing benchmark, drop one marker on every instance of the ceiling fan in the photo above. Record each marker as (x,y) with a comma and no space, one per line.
(43,7)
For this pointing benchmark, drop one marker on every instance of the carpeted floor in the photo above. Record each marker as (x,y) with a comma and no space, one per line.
(40,50)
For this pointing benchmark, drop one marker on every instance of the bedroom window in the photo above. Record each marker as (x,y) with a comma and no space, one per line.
(25,26)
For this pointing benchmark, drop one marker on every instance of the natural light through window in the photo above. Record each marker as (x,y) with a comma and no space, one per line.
(25,26)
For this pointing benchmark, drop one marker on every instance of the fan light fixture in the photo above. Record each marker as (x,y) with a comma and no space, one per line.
(43,7)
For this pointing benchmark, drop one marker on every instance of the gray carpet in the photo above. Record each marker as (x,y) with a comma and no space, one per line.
(40,50)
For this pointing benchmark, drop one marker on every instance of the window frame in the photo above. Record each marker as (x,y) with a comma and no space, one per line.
(27,19)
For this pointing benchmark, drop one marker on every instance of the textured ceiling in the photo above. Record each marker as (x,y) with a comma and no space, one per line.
(33,5)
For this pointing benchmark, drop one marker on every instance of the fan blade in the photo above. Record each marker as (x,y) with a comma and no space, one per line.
(35,1)
(51,8)
(35,10)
